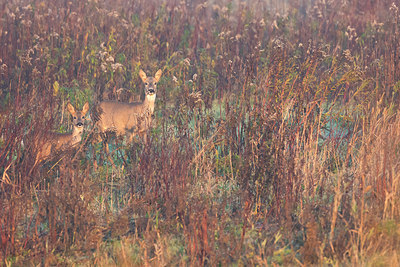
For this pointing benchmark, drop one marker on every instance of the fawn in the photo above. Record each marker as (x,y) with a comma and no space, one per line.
(58,141)
(130,119)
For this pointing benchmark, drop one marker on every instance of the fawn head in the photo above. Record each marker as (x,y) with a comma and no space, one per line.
(150,83)
(77,115)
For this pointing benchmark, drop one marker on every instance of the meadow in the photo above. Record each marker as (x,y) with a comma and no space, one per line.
(275,139)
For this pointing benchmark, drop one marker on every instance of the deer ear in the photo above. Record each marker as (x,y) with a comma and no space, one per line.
(70,108)
(85,108)
(158,75)
(142,75)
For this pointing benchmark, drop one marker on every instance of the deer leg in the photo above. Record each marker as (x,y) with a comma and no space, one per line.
(34,165)
(104,147)
(62,167)
(144,136)
(94,156)
(130,139)
(107,149)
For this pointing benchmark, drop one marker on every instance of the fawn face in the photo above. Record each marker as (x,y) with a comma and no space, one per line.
(78,117)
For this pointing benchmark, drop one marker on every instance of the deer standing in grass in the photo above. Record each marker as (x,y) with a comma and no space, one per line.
(130,119)
(58,141)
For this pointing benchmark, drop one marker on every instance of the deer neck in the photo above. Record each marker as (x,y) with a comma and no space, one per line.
(76,134)
(149,102)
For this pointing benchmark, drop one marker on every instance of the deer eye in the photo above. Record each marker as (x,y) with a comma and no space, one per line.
(74,118)
(155,83)
(146,83)
(83,117)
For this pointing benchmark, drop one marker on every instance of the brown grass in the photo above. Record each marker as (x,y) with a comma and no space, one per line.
(275,142)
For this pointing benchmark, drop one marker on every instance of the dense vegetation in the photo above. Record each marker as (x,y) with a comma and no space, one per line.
(275,140)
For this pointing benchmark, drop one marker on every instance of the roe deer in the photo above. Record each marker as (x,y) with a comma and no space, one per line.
(130,118)
(58,141)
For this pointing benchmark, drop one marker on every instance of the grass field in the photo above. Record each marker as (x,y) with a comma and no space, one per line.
(275,139)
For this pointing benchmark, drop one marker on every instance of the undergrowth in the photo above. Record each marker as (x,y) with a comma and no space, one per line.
(275,139)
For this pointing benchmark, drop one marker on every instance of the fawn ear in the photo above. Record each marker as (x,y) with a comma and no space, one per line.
(158,75)
(85,108)
(142,75)
(70,108)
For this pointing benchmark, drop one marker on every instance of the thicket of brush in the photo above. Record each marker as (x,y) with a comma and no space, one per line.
(276,135)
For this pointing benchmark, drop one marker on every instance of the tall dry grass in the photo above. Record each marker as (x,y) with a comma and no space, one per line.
(275,138)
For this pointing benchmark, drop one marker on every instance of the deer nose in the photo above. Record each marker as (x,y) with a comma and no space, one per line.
(79,124)
(151,91)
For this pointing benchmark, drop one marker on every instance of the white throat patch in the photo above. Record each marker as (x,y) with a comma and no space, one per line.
(151,98)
